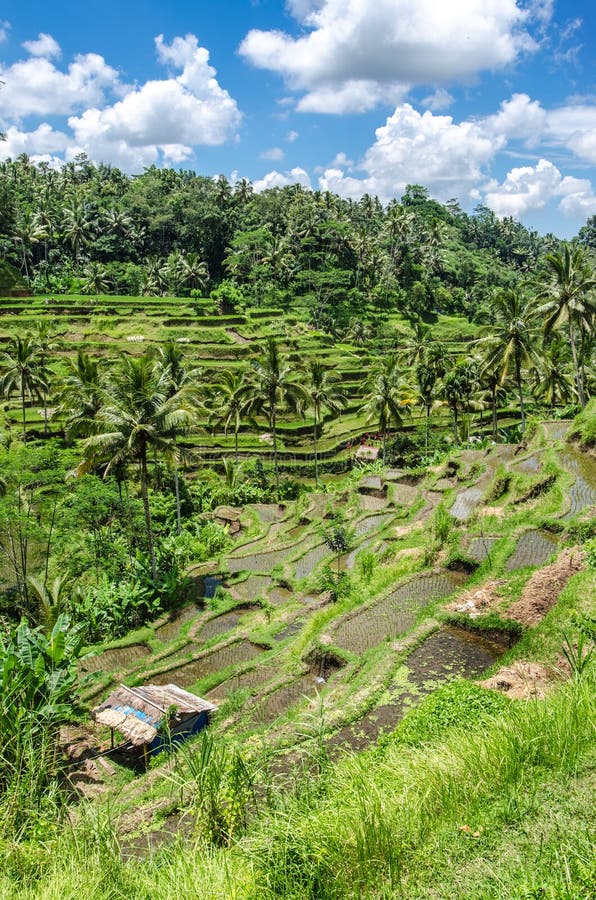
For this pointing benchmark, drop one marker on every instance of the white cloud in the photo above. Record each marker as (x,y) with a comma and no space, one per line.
(531,187)
(282,179)
(440,99)
(161,120)
(273,153)
(518,117)
(575,127)
(579,205)
(45,46)
(447,158)
(292,136)
(353,96)
(179,112)
(359,48)
(572,126)
(44,140)
(35,87)
(4,29)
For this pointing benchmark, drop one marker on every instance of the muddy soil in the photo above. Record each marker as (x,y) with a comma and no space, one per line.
(542,590)
(448,654)
(523,680)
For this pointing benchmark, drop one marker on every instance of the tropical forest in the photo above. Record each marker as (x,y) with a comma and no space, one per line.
(325,468)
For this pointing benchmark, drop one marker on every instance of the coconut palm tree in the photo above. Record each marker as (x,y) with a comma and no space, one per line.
(325,393)
(552,383)
(492,384)
(568,292)
(231,400)
(79,394)
(453,393)
(387,401)
(96,279)
(21,373)
(45,338)
(137,414)
(187,270)
(184,383)
(76,226)
(274,388)
(511,341)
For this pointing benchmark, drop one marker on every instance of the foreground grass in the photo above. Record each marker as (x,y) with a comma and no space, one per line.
(497,808)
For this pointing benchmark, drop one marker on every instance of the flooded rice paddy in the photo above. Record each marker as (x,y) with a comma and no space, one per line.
(447,654)
(534,548)
(582,492)
(306,565)
(114,660)
(371,523)
(219,625)
(480,548)
(289,631)
(230,655)
(466,503)
(170,630)
(395,614)
(253,587)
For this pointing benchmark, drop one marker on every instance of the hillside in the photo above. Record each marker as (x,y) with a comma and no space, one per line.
(470,585)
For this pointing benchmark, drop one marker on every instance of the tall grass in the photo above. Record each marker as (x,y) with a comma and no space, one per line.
(381,825)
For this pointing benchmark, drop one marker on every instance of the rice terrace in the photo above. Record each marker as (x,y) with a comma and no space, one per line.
(297,543)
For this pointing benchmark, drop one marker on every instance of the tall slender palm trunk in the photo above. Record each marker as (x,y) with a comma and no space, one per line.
(494,411)
(275,457)
(177,495)
(23,412)
(576,366)
(148,526)
(455,423)
(314,440)
(522,408)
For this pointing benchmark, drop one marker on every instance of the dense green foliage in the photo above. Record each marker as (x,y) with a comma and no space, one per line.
(282,329)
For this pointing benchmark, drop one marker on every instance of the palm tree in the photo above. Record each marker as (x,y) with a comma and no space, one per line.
(188,270)
(568,289)
(27,232)
(386,399)
(511,342)
(21,372)
(76,226)
(453,392)
(96,279)
(552,384)
(79,394)
(491,382)
(137,414)
(183,383)
(325,393)
(231,401)
(44,337)
(274,387)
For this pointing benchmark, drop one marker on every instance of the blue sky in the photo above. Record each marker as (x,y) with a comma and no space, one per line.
(486,101)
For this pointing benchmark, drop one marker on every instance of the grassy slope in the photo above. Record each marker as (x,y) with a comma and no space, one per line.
(492,805)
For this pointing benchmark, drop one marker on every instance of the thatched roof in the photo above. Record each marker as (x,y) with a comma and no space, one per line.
(138,712)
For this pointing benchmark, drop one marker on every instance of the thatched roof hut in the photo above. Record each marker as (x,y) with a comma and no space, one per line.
(151,716)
